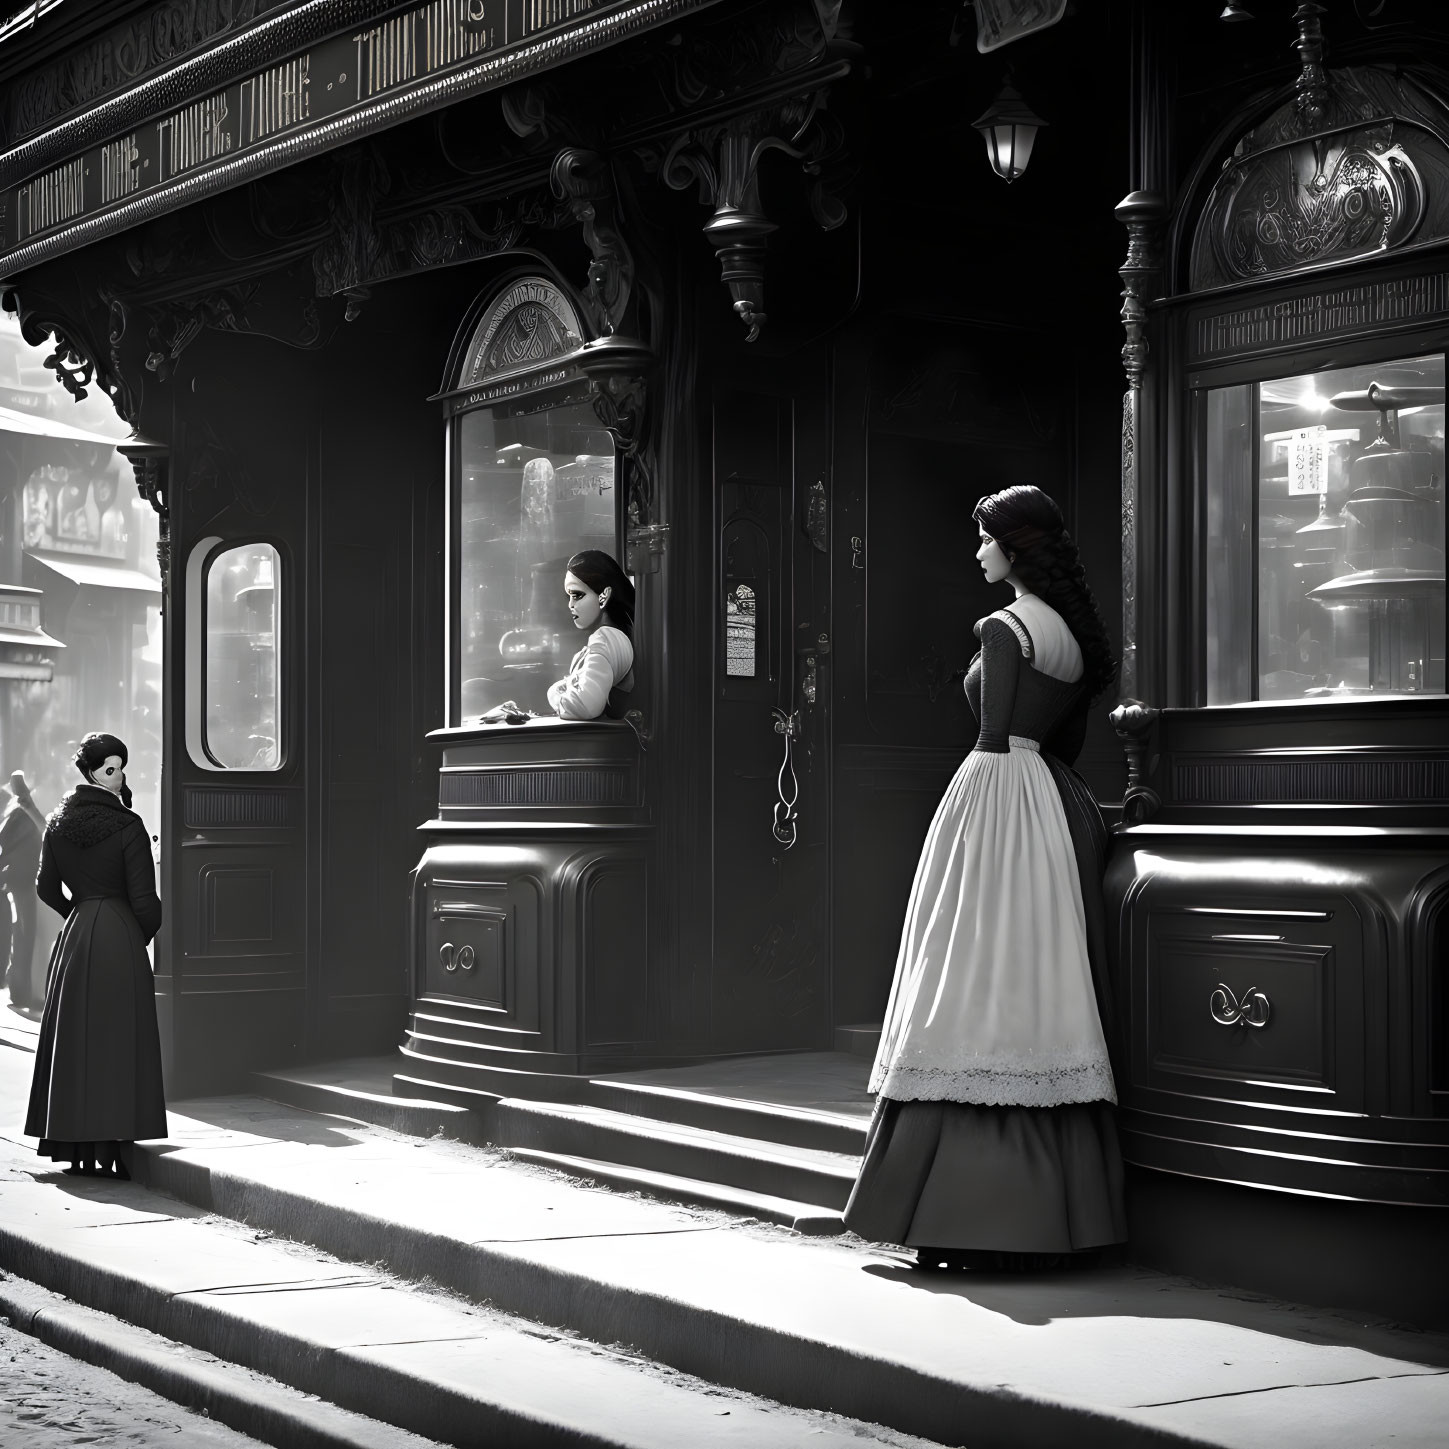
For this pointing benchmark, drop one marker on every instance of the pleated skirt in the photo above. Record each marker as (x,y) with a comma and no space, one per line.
(97,1075)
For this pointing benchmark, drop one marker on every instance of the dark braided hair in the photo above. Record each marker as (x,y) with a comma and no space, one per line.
(1029,527)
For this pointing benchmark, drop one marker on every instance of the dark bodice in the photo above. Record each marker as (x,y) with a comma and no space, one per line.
(1009,695)
(119,866)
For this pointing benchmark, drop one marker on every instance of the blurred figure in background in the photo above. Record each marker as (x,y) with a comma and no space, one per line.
(20,832)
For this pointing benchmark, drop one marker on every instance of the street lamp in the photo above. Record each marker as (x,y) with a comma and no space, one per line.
(1009,127)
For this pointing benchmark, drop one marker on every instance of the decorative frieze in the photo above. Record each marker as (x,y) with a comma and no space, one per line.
(1362,780)
(121,56)
(1323,315)
(340,86)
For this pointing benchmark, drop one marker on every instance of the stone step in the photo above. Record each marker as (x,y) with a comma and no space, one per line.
(760,1121)
(859,1041)
(799,1174)
(363,1089)
(1104,1358)
(457,1372)
(803,1217)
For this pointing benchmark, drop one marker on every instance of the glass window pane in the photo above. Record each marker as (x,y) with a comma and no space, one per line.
(1349,519)
(243,659)
(532,491)
(1228,461)
(1351,531)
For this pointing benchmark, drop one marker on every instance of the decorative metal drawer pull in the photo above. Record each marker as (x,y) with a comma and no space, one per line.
(464,958)
(445,955)
(1227,1010)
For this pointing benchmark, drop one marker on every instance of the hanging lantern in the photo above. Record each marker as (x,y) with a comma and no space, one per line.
(1009,127)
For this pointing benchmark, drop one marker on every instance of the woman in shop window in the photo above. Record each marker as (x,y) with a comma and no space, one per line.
(97,1082)
(993,1142)
(601,601)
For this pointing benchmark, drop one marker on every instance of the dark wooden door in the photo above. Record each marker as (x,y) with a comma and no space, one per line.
(231,977)
(770,734)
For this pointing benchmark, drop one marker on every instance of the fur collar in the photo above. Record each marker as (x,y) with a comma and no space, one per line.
(89,815)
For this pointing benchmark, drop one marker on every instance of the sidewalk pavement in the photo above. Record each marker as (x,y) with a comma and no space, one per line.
(1112,1356)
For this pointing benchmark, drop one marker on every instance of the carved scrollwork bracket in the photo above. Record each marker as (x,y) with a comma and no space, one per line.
(150,463)
(618,401)
(585,181)
(724,160)
(1133,722)
(77,362)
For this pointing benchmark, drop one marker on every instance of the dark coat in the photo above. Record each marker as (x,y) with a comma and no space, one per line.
(98,1061)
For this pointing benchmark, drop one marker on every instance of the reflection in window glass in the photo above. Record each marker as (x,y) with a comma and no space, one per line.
(740,632)
(532,491)
(1228,565)
(243,659)
(1350,533)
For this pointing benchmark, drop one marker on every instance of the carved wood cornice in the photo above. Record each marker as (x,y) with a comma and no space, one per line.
(231,166)
(48,88)
(276,36)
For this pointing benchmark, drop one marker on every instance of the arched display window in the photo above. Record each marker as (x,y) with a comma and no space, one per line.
(234,643)
(534,478)
(1316,404)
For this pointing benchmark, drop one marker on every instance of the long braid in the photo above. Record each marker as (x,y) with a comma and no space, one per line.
(1052,570)
(1028,524)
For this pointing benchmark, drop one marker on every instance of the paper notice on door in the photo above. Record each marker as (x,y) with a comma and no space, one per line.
(1306,464)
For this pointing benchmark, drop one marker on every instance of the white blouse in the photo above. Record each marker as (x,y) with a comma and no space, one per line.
(605,661)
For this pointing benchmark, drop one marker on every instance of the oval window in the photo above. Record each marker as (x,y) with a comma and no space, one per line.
(243,658)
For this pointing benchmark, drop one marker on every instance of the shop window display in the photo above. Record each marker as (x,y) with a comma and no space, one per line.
(1323,568)
(531,492)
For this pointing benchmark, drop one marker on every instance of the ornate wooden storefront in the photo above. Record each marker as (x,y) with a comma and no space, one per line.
(1280,883)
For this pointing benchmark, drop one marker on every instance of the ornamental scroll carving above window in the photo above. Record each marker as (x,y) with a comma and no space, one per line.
(1367,176)
(529,323)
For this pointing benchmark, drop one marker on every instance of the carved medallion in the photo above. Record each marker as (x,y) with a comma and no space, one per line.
(529,323)
(1329,200)
(1364,172)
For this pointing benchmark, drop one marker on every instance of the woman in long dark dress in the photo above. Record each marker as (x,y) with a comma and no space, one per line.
(97,1083)
(993,1142)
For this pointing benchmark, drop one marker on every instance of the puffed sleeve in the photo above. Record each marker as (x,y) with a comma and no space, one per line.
(606,659)
(141,880)
(47,880)
(1000,668)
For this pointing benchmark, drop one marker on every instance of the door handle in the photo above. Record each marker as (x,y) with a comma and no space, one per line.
(809,681)
(787,783)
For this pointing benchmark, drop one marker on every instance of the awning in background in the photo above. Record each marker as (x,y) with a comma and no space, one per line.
(98,573)
(43,427)
(35,638)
